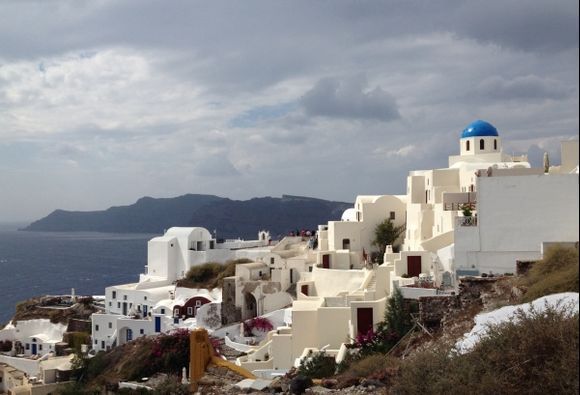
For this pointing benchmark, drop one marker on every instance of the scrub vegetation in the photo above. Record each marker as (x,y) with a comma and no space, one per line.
(210,275)
(55,309)
(535,354)
(166,353)
(557,272)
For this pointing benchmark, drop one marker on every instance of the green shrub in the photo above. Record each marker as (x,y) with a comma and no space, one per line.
(76,339)
(317,366)
(96,365)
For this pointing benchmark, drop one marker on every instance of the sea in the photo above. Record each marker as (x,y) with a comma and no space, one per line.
(52,263)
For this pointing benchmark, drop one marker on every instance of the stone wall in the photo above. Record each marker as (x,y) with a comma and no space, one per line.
(433,309)
(78,325)
(230,313)
(474,293)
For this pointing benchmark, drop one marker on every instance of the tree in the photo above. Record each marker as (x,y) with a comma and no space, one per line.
(397,318)
(386,233)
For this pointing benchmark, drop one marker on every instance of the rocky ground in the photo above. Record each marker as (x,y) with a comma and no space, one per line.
(55,308)
(219,380)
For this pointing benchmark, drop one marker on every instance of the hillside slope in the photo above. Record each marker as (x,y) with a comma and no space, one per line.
(231,218)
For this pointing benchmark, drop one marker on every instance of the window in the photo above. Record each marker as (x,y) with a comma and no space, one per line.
(467,145)
(198,303)
(40,347)
(144,297)
(114,294)
(176,312)
(495,144)
(141,331)
(346,244)
(392,215)
(271,261)
(481,144)
(27,346)
(96,328)
(96,342)
(124,297)
(102,344)
(118,305)
(110,325)
(162,311)
(110,304)
(190,311)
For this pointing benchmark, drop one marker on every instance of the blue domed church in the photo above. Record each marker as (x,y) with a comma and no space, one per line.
(479,142)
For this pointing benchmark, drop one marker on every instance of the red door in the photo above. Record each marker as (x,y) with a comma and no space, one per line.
(326,261)
(413,266)
(364,320)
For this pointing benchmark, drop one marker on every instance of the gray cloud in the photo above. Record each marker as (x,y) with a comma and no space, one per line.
(349,98)
(233,98)
(545,26)
(523,87)
(216,165)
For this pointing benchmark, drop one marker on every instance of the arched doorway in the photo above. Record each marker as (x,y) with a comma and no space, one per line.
(251,305)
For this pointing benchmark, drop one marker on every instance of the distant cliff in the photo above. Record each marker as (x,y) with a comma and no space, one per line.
(231,218)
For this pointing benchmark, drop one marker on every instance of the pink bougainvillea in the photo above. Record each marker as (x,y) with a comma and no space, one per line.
(260,323)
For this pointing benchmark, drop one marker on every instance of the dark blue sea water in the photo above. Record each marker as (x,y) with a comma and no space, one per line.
(40,263)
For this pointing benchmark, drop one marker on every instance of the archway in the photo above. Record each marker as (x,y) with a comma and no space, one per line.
(251,306)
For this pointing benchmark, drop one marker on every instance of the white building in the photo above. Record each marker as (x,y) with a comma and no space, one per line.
(148,307)
(516,213)
(170,256)
(268,283)
(482,213)
(33,337)
(343,244)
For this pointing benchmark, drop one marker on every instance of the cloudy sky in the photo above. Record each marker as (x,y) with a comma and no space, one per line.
(105,101)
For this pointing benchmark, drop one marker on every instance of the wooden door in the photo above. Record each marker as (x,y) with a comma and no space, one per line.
(414,266)
(364,320)
(326,261)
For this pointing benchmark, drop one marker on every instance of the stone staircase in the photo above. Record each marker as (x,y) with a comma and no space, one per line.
(372,285)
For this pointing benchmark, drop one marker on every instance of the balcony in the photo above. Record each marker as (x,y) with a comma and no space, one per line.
(455,201)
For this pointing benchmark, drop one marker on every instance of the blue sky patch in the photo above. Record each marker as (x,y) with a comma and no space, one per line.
(256,115)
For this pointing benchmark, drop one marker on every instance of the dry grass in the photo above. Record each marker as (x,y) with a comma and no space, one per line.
(376,366)
(557,272)
(35,308)
(210,275)
(538,354)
